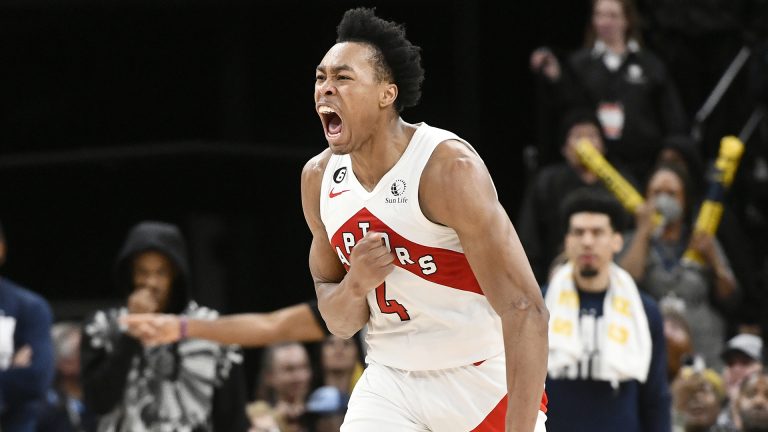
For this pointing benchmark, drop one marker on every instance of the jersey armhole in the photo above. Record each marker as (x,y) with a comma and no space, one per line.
(416,209)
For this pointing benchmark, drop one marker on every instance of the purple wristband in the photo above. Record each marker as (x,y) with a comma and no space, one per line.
(182,327)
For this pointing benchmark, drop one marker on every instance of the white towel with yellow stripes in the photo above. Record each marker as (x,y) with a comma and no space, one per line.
(624,344)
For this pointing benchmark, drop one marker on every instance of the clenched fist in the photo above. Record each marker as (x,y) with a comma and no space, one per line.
(370,262)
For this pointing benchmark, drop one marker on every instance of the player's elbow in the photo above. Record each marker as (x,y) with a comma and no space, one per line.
(529,309)
(344,329)
(341,319)
(342,333)
(538,312)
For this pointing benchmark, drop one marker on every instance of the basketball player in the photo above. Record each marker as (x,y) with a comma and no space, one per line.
(409,239)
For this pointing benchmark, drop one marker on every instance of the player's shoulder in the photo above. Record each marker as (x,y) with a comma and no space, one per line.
(454,170)
(452,160)
(314,168)
(451,152)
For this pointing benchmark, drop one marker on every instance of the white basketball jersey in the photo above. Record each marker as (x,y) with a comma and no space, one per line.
(430,312)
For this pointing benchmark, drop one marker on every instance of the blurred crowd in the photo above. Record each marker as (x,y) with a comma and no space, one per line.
(654,89)
(97,375)
(635,92)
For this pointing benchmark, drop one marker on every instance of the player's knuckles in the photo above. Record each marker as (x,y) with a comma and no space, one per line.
(384,268)
(358,252)
(373,235)
(369,257)
(366,255)
(383,261)
(369,240)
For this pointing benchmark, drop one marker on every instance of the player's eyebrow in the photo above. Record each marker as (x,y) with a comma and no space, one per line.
(335,69)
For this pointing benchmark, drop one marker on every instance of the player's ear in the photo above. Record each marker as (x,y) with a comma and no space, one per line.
(387,95)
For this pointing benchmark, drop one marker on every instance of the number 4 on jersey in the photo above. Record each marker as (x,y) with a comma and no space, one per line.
(390,306)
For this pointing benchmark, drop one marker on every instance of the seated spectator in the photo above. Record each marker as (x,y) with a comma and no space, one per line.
(606,342)
(682,151)
(698,396)
(752,404)
(340,362)
(677,334)
(653,256)
(326,407)
(262,417)
(285,381)
(742,356)
(64,410)
(627,85)
(538,224)
(191,385)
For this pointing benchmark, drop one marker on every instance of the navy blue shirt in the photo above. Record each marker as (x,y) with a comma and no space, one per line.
(584,404)
(23,389)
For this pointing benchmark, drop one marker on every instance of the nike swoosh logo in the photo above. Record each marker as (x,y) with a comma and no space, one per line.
(333,194)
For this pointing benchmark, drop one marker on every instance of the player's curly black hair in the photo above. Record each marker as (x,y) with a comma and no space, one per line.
(396,58)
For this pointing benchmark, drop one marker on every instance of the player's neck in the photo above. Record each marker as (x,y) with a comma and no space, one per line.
(381,151)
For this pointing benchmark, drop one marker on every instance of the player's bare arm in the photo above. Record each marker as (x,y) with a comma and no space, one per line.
(292,323)
(341,296)
(498,261)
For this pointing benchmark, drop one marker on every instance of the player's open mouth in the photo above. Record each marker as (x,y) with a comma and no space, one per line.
(332,122)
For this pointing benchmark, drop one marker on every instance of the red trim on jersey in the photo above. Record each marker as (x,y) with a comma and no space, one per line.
(452,267)
(495,420)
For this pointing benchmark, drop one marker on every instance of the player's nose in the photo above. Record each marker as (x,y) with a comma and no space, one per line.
(326,88)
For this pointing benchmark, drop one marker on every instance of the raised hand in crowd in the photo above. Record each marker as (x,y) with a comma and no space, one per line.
(544,61)
(143,301)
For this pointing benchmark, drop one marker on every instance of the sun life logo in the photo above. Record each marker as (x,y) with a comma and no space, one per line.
(398,190)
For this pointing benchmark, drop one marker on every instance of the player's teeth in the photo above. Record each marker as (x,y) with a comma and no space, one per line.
(326,110)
